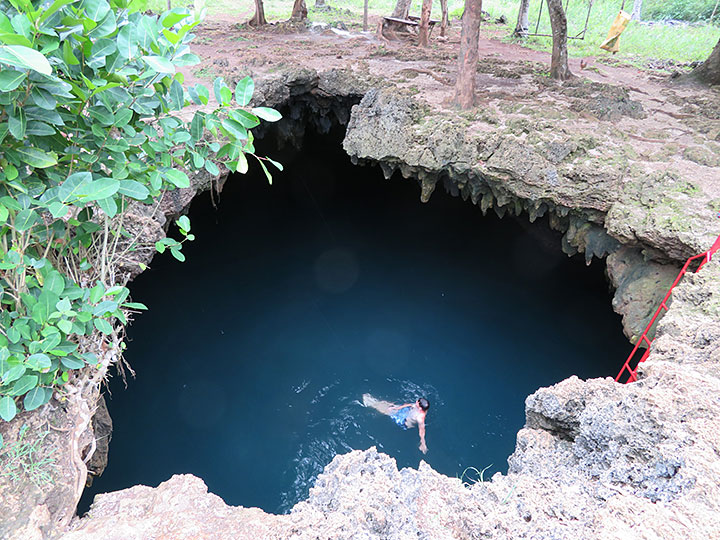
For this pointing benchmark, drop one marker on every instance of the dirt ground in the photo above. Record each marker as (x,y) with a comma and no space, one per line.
(663,124)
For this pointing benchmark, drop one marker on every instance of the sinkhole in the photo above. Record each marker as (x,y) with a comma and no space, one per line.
(299,297)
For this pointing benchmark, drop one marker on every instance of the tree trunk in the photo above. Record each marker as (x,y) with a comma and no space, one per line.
(402,9)
(259,18)
(365,16)
(467,59)
(299,11)
(424,29)
(559,64)
(709,71)
(637,10)
(444,21)
(522,27)
(320,4)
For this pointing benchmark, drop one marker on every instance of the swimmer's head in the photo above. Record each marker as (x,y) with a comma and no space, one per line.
(423,403)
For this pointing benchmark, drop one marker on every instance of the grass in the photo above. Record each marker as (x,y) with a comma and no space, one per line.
(684,43)
(21,459)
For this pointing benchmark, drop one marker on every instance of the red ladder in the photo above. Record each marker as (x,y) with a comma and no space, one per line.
(632,372)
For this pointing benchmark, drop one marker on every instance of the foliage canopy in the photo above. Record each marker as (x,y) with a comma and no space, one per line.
(89,92)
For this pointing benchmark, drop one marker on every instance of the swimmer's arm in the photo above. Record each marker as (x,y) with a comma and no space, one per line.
(421,429)
(398,407)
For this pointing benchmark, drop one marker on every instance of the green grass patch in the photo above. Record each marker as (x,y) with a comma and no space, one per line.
(681,43)
(22,459)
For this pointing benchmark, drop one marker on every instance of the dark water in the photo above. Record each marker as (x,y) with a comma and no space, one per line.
(299,297)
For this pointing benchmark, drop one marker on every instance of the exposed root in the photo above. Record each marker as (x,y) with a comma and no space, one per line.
(429,73)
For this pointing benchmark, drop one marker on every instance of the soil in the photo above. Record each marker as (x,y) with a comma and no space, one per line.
(667,126)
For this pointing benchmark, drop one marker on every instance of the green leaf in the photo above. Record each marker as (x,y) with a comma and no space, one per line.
(102,115)
(134,305)
(159,64)
(218,85)
(23,384)
(184,223)
(95,10)
(107,306)
(267,114)
(17,122)
(72,187)
(246,119)
(177,178)
(267,173)
(171,18)
(72,362)
(58,209)
(97,292)
(177,254)
(211,168)
(242,164)
(65,325)
(54,7)
(8,410)
(103,47)
(43,98)
(103,326)
(109,206)
(244,91)
(36,397)
(100,189)
(68,55)
(126,40)
(10,79)
(24,57)
(38,361)
(37,158)
(15,39)
(55,283)
(25,220)
(134,190)
(278,165)
(3,214)
(13,374)
(235,129)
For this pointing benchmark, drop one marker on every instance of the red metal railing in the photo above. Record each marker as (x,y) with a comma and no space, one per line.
(632,372)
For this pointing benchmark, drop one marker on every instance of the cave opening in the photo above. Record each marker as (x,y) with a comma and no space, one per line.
(299,297)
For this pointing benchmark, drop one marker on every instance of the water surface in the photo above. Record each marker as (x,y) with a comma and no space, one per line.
(299,297)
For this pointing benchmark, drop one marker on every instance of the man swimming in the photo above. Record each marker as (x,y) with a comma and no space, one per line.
(405,416)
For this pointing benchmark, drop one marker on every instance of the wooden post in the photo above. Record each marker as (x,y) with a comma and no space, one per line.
(467,59)
(424,30)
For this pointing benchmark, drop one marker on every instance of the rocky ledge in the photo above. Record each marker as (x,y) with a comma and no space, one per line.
(596,460)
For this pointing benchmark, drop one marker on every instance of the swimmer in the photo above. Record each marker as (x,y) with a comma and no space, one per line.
(405,416)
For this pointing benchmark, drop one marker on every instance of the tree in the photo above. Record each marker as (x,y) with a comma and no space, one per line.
(444,21)
(259,17)
(299,11)
(92,127)
(424,29)
(467,59)
(523,21)
(559,63)
(709,71)
(637,10)
(402,9)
